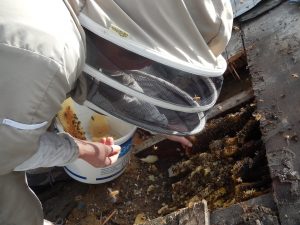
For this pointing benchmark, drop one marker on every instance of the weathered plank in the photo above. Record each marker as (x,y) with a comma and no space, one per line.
(274,64)
(260,210)
(196,215)
(234,48)
(260,9)
(230,103)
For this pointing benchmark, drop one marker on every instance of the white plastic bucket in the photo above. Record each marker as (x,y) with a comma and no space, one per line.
(82,171)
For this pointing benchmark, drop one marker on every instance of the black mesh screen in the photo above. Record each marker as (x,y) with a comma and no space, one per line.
(167,87)
(141,113)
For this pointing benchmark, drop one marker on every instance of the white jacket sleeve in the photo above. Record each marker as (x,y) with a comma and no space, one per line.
(41,58)
(54,150)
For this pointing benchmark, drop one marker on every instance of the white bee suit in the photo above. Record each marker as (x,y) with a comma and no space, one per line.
(41,57)
(42,52)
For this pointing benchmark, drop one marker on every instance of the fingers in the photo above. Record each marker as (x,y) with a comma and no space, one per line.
(108,161)
(185,142)
(98,154)
(112,150)
(111,160)
(107,140)
(112,154)
(182,140)
(103,140)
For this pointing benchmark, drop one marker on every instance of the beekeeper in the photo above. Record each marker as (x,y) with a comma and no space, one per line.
(43,60)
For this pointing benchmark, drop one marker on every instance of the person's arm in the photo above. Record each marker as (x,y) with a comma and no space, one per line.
(61,149)
(54,150)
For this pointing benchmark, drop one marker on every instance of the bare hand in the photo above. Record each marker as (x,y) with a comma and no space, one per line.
(98,154)
(182,140)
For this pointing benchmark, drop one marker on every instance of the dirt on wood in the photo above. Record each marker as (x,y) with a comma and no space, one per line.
(226,165)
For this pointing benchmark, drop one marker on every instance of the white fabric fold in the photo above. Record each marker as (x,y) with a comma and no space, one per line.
(23,126)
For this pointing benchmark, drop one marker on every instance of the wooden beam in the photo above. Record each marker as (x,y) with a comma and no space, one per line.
(274,67)
(197,214)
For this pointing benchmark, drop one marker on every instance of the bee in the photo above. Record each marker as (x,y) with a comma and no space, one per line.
(197,98)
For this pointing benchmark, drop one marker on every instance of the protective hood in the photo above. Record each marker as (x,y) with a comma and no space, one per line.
(187,35)
(176,66)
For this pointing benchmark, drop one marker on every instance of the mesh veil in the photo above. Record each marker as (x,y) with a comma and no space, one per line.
(154,96)
(156,64)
